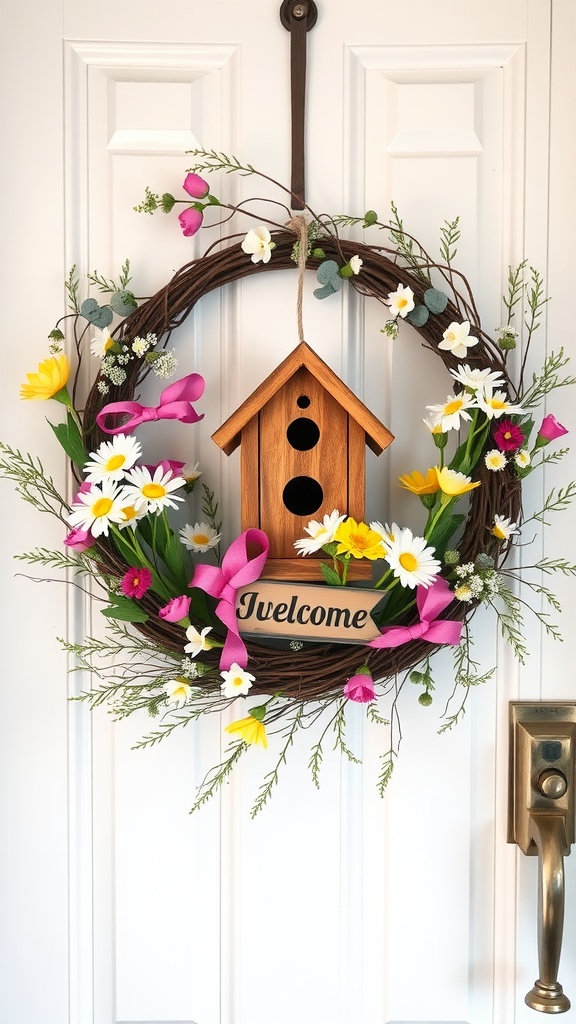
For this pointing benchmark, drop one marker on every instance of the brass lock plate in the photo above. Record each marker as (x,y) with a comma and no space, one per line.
(542,775)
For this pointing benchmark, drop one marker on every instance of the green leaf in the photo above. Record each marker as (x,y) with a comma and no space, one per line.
(418,316)
(100,316)
(70,438)
(327,271)
(173,557)
(330,575)
(123,303)
(124,608)
(328,289)
(435,300)
(444,531)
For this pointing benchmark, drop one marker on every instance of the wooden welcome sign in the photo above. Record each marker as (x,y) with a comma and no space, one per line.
(300,611)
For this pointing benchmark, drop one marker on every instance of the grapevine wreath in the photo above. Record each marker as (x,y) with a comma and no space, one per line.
(296,682)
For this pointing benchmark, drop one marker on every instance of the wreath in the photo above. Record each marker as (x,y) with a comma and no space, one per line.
(176,650)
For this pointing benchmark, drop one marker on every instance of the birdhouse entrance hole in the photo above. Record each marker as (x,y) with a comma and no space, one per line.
(302,496)
(303,434)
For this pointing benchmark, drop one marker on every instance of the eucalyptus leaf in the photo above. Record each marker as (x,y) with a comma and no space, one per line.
(327,271)
(123,303)
(100,316)
(328,289)
(435,300)
(418,316)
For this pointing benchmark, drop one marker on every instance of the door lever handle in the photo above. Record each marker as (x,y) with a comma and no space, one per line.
(541,821)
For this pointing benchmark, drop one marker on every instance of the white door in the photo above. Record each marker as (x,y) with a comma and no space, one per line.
(332,904)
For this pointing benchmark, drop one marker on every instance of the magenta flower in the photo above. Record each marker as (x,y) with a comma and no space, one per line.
(508,436)
(79,540)
(550,429)
(168,466)
(136,582)
(190,220)
(195,186)
(176,609)
(360,687)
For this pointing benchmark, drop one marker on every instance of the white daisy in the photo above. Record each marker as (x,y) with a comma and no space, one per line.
(198,640)
(199,537)
(153,493)
(401,301)
(101,343)
(495,460)
(411,560)
(236,681)
(453,410)
(504,528)
(178,690)
(131,516)
(113,458)
(522,458)
(474,378)
(319,533)
(388,533)
(96,509)
(456,339)
(191,472)
(495,403)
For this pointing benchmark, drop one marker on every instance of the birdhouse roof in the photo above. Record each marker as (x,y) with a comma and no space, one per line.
(229,435)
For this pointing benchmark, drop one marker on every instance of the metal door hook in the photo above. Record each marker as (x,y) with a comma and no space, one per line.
(541,821)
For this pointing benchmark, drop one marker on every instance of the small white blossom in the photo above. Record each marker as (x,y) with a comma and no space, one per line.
(495,460)
(201,537)
(165,365)
(522,458)
(457,340)
(177,690)
(355,264)
(258,244)
(236,681)
(401,301)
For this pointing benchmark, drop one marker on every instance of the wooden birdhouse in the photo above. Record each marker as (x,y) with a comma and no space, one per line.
(303,437)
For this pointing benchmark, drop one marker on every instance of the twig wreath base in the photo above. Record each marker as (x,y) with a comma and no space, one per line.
(317,671)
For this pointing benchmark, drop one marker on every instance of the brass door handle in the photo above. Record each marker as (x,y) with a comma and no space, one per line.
(549,834)
(541,820)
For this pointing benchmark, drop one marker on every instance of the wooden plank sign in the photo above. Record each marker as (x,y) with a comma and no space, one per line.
(307,612)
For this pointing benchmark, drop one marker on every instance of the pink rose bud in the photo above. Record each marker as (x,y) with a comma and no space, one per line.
(360,687)
(195,186)
(79,540)
(550,428)
(190,221)
(176,609)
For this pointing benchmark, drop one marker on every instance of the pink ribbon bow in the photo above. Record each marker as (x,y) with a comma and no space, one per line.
(238,569)
(175,404)
(429,602)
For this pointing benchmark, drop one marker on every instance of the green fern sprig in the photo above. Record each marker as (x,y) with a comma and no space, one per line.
(271,779)
(212,160)
(218,775)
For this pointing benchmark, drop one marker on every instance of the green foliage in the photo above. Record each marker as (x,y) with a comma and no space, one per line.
(212,160)
(449,236)
(69,436)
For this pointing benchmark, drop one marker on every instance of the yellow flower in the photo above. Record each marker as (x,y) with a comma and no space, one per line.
(452,483)
(250,730)
(52,377)
(359,540)
(419,484)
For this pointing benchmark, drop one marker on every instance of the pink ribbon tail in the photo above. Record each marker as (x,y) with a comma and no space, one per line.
(175,404)
(238,569)
(430,601)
